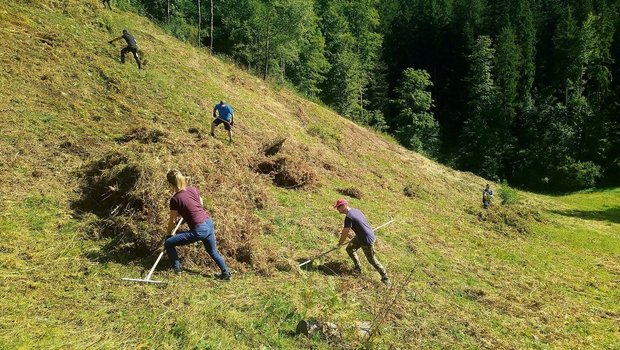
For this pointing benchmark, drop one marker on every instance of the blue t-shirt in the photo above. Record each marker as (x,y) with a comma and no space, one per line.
(224,112)
(356,220)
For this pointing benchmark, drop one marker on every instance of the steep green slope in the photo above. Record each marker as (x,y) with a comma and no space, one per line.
(540,274)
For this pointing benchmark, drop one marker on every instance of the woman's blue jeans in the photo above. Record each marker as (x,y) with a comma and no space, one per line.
(204,232)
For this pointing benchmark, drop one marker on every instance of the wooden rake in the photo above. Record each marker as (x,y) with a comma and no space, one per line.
(148,277)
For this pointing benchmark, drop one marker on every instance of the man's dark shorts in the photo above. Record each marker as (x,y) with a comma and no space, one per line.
(218,121)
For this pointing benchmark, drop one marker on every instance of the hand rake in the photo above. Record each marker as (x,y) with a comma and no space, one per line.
(331,250)
(148,277)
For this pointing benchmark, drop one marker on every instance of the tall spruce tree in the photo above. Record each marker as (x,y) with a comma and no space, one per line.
(480,138)
(417,129)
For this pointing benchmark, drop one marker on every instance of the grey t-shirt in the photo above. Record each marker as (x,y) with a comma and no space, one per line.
(356,220)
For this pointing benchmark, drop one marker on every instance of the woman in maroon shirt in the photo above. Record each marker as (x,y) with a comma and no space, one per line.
(187,202)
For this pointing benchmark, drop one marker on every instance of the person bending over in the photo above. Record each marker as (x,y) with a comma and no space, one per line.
(364,238)
(187,203)
(132,46)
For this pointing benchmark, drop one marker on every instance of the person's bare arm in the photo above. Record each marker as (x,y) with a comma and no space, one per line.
(201,202)
(116,39)
(172,221)
(344,235)
(214,114)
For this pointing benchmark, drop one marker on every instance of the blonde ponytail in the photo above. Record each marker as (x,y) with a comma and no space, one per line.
(176,179)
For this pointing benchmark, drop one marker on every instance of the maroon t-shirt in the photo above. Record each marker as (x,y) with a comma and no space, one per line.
(187,204)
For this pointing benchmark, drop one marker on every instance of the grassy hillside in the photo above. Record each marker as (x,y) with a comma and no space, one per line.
(543,273)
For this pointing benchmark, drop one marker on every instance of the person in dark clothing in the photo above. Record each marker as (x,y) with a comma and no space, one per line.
(364,238)
(106,3)
(132,46)
(487,196)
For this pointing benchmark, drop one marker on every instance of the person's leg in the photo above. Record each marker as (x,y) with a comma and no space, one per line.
(181,238)
(369,251)
(229,129)
(124,50)
(213,124)
(134,51)
(211,248)
(351,248)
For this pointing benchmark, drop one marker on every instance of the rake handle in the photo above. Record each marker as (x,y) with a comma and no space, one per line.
(148,277)
(331,250)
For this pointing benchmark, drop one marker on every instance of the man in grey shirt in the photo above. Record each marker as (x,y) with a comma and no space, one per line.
(364,238)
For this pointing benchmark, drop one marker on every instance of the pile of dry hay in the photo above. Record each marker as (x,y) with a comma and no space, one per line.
(507,219)
(128,192)
(289,164)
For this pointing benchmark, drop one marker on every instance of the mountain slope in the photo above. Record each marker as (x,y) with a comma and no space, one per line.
(540,274)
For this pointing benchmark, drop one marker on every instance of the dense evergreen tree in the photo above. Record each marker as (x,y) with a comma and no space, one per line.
(539,106)
(417,129)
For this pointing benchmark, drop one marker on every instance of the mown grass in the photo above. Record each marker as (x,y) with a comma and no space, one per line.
(458,281)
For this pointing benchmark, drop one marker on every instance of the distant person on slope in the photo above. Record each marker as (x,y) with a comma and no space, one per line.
(106,3)
(487,196)
(223,114)
(364,238)
(132,46)
(187,202)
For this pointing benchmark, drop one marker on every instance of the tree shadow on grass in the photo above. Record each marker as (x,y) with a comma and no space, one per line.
(611,215)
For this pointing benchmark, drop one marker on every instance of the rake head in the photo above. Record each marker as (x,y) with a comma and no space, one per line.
(142,280)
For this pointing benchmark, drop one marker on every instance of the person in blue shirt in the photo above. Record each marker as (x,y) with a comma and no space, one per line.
(487,196)
(223,114)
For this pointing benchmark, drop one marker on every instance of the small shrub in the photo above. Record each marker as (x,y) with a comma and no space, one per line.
(508,194)
(578,175)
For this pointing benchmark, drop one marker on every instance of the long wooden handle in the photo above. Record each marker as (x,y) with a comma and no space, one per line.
(331,250)
(148,277)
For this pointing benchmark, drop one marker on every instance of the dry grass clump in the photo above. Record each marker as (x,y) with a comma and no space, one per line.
(143,135)
(289,164)
(351,192)
(507,219)
(129,195)
(409,191)
(72,148)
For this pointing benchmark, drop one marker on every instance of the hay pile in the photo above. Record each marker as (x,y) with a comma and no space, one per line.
(507,219)
(128,192)
(289,164)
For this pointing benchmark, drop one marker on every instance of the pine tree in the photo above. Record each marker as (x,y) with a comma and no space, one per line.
(480,138)
(417,129)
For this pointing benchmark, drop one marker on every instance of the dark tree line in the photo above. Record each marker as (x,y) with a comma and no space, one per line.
(523,90)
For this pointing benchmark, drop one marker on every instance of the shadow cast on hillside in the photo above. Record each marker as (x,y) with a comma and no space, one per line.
(610,214)
(117,252)
(332,268)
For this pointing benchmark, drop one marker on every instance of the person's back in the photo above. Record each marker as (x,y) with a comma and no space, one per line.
(187,203)
(357,221)
(130,40)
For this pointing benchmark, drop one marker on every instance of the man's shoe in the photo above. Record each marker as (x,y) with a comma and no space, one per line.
(178,270)
(212,134)
(385,280)
(223,276)
(357,270)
